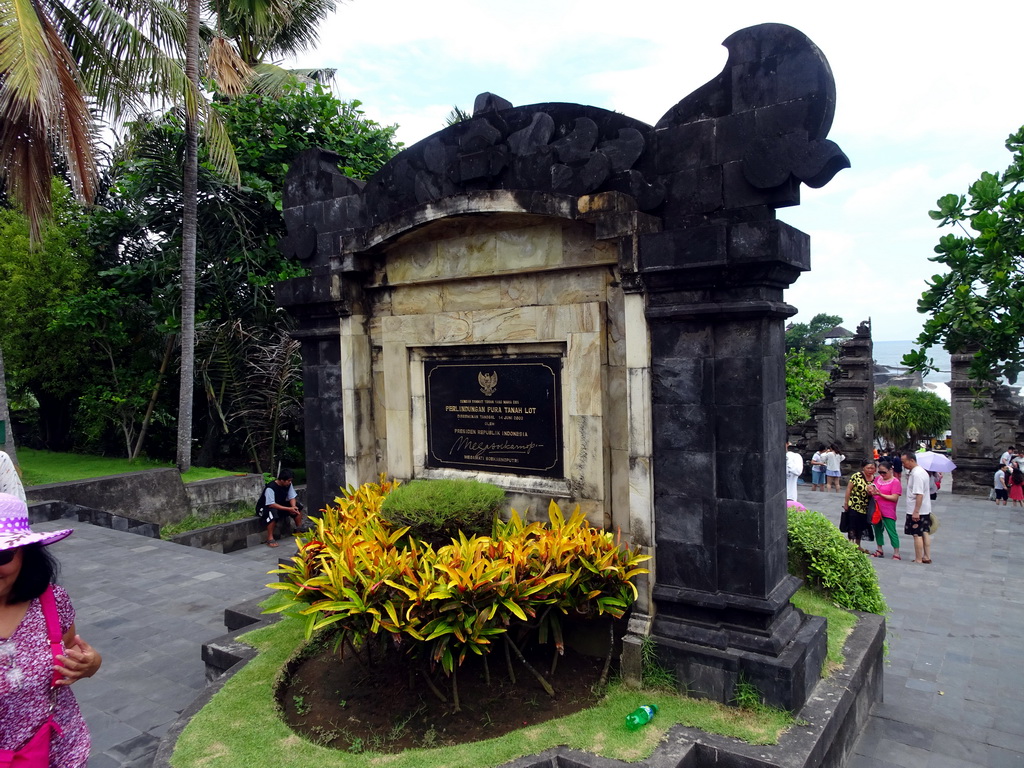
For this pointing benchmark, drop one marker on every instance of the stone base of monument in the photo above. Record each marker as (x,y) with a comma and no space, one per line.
(973,476)
(827,728)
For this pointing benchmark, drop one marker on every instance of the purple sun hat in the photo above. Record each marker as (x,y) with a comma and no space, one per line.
(14,530)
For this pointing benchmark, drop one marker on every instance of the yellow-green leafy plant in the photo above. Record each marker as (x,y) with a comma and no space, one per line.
(378,589)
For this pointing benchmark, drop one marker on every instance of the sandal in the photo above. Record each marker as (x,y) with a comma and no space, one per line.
(878,553)
(271,543)
(897,556)
(927,562)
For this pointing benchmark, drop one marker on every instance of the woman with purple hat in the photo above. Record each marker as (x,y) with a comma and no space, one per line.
(40,653)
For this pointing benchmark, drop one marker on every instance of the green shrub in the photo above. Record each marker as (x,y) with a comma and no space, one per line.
(436,510)
(821,555)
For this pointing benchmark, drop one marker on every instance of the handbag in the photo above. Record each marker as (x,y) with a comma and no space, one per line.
(875,512)
(35,753)
(844,520)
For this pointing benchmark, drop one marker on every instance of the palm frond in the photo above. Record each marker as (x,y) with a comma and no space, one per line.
(42,104)
(223,64)
(218,143)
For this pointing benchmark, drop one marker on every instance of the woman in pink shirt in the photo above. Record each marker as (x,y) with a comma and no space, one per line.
(886,489)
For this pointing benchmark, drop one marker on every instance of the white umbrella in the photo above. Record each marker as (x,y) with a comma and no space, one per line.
(934,462)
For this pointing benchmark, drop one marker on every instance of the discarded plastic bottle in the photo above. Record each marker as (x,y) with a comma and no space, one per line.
(641,716)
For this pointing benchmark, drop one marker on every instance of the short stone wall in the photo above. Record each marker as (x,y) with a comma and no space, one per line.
(220,493)
(225,537)
(152,495)
(46,511)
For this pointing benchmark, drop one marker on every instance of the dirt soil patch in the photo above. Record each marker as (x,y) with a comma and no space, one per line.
(344,704)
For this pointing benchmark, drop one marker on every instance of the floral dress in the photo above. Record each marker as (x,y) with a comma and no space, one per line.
(860,501)
(26,671)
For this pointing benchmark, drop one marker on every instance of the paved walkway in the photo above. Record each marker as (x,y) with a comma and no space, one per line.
(954,681)
(954,677)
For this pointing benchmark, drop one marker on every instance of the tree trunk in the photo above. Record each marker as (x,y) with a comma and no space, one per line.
(188,240)
(5,415)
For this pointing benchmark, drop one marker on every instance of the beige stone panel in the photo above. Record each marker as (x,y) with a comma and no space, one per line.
(638,382)
(407,329)
(379,412)
(474,254)
(615,321)
(396,377)
(594,511)
(379,303)
(518,291)
(375,329)
(586,380)
(576,318)
(419,429)
(529,248)
(413,262)
(618,494)
(577,286)
(355,353)
(505,325)
(638,345)
(585,457)
(416,299)
(360,441)
(580,248)
(469,295)
(616,408)
(452,327)
(399,455)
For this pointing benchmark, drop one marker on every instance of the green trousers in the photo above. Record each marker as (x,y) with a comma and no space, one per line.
(887,525)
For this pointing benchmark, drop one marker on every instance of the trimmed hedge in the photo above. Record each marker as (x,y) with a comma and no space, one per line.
(436,510)
(825,559)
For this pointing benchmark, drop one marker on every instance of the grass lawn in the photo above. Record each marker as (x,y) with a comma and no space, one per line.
(41,467)
(241,726)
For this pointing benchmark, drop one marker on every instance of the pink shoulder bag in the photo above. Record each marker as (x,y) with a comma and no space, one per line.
(35,753)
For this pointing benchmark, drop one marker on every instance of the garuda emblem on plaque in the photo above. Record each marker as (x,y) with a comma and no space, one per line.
(488,382)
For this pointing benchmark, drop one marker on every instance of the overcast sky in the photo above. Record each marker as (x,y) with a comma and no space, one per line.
(927,94)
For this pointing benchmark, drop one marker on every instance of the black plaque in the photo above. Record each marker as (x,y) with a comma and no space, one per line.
(495,414)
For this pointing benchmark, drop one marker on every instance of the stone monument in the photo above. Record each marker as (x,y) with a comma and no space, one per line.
(577,305)
(985,420)
(845,416)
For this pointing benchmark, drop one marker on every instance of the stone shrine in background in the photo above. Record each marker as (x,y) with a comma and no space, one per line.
(578,306)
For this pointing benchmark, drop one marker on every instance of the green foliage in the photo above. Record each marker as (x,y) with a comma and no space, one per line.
(840,623)
(978,304)
(41,467)
(436,511)
(246,367)
(353,576)
(810,337)
(904,416)
(194,522)
(809,360)
(828,561)
(653,675)
(51,363)
(805,383)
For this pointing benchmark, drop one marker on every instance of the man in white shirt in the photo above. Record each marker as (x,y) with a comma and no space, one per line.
(919,509)
(1007,457)
(794,468)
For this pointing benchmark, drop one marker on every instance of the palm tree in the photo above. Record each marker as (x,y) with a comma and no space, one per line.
(5,415)
(190,215)
(266,29)
(57,59)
